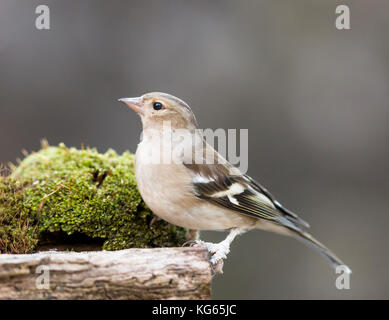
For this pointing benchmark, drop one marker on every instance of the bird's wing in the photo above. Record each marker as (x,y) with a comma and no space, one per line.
(276,203)
(224,185)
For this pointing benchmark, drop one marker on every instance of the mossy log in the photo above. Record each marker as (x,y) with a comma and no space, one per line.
(62,195)
(159,273)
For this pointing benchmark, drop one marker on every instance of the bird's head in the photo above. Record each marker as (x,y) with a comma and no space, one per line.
(155,108)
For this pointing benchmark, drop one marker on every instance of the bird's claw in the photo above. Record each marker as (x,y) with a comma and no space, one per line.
(218,267)
(190,243)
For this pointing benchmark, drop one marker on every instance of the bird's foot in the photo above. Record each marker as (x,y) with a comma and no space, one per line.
(218,252)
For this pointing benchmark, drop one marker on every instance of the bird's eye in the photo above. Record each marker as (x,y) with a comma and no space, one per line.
(157,105)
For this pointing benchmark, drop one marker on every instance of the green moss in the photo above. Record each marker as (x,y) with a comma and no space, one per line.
(60,189)
(18,231)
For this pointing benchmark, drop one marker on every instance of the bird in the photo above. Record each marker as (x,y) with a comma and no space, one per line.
(199,189)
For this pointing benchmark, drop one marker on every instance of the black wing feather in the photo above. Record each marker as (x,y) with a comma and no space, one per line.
(278,205)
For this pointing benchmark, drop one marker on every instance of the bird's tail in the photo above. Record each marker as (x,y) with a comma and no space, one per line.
(309,240)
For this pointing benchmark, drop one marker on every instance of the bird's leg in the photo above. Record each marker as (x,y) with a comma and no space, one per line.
(192,234)
(154,220)
(220,250)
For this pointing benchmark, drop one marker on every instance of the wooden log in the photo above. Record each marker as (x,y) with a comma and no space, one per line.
(160,273)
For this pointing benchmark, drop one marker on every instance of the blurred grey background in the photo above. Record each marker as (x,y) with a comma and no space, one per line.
(314,99)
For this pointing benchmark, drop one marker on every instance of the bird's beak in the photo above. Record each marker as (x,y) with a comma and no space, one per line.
(134,103)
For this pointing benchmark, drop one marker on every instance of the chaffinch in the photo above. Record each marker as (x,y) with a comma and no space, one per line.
(199,189)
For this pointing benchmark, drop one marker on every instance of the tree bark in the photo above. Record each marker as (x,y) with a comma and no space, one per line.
(160,273)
